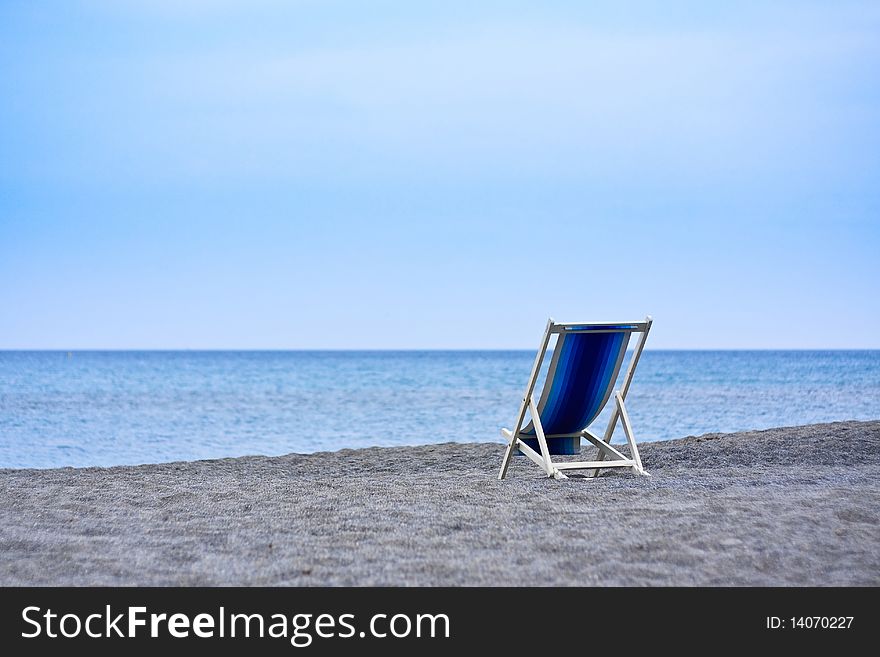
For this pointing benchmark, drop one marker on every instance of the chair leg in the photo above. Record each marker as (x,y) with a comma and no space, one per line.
(508,453)
(609,431)
(630,438)
(533,378)
(542,441)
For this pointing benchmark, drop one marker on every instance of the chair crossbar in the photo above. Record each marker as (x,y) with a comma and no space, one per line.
(605,447)
(639,325)
(589,465)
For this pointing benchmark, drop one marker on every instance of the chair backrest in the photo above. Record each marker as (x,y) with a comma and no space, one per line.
(581,377)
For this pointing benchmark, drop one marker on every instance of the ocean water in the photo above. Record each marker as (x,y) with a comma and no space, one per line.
(107,408)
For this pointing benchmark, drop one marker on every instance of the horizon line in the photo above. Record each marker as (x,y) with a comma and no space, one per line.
(385,349)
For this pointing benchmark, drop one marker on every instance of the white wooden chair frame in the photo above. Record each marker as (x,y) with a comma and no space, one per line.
(615,459)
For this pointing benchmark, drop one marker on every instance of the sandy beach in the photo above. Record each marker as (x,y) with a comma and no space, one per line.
(789,506)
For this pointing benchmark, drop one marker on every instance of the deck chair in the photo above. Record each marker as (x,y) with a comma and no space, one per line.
(583,370)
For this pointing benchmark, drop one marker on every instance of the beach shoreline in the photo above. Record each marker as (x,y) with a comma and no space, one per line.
(786,506)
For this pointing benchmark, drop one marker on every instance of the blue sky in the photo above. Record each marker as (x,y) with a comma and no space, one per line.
(323,174)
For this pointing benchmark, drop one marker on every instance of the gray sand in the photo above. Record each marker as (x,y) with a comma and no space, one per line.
(792,506)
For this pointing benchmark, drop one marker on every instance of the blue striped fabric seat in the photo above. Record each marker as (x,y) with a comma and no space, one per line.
(580,380)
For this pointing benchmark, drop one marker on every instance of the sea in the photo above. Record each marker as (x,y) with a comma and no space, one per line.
(105,408)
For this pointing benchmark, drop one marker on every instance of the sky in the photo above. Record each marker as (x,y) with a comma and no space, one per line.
(437,174)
